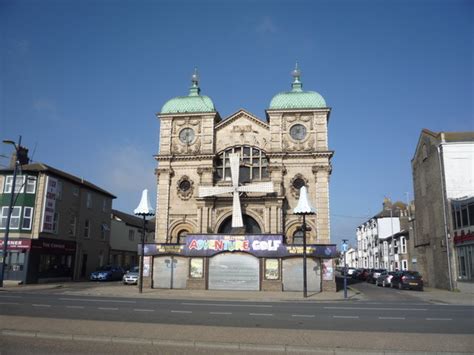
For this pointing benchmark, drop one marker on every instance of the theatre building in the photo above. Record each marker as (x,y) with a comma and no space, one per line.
(226,191)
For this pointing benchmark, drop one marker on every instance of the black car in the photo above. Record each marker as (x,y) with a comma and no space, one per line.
(107,273)
(407,280)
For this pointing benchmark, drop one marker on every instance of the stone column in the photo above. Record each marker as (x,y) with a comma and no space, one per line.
(321,176)
(163,176)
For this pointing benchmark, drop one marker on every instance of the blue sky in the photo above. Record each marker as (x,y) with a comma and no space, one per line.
(81,81)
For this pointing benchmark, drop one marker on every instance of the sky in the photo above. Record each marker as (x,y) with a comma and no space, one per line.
(81,82)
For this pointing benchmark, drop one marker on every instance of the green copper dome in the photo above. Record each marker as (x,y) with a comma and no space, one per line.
(192,103)
(297,98)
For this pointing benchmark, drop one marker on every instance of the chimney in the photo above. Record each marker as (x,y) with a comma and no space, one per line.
(20,155)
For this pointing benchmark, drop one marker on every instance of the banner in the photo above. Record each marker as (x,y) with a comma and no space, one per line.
(49,207)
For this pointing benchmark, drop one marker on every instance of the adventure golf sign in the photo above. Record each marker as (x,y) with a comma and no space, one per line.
(259,245)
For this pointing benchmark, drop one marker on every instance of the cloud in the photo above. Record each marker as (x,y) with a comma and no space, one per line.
(266,26)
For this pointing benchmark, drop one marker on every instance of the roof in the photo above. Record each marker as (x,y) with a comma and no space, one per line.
(443,137)
(297,98)
(44,168)
(193,103)
(134,221)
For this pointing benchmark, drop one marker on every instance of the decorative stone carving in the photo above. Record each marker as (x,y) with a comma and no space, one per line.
(185,187)
(296,183)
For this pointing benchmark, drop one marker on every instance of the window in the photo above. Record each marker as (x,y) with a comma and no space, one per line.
(27,217)
(182,237)
(424,152)
(298,237)
(56,222)
(104,228)
(404,265)
(471,214)
(86,229)
(253,164)
(465,221)
(72,225)
(75,191)
(89,200)
(31,184)
(104,205)
(131,235)
(403,245)
(19,184)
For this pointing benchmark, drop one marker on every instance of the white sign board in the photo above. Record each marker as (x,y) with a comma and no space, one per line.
(49,207)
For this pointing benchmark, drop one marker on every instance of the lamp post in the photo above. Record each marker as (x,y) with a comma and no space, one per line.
(144,209)
(344,249)
(10,208)
(304,208)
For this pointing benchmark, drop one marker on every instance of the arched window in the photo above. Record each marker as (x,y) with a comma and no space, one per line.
(250,225)
(298,237)
(253,164)
(182,237)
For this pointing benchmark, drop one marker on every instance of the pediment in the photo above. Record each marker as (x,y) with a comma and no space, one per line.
(239,118)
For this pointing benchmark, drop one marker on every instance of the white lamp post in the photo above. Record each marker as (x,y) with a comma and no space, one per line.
(304,208)
(144,209)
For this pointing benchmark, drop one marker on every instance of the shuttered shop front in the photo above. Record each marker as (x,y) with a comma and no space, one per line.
(293,274)
(237,271)
(170,272)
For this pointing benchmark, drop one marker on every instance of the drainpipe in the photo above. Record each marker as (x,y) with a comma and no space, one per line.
(445,219)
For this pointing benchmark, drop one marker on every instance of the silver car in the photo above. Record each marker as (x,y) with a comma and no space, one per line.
(131,277)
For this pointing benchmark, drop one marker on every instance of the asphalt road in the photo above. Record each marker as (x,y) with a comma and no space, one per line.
(400,315)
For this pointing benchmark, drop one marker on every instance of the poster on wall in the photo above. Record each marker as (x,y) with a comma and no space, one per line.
(49,207)
(272,269)
(146,266)
(197,268)
(327,270)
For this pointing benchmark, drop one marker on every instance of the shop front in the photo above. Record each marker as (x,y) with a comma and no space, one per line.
(16,259)
(238,262)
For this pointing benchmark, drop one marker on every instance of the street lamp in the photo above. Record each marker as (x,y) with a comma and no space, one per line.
(144,209)
(10,208)
(344,249)
(304,208)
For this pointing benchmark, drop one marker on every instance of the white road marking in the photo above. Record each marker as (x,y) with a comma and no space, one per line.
(261,314)
(304,315)
(347,317)
(95,300)
(226,305)
(181,311)
(41,305)
(392,318)
(143,310)
(9,303)
(439,319)
(220,313)
(108,308)
(379,309)
(78,307)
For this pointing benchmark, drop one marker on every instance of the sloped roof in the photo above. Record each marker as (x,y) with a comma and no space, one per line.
(134,221)
(44,168)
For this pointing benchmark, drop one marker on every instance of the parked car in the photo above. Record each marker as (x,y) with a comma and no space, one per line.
(107,273)
(362,274)
(385,278)
(373,274)
(407,279)
(131,276)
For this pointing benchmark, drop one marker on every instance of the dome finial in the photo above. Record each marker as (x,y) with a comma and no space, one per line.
(194,90)
(296,85)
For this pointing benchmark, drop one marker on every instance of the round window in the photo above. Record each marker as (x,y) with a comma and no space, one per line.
(298,183)
(184,185)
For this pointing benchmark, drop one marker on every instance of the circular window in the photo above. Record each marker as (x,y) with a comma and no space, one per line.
(184,185)
(298,132)
(298,183)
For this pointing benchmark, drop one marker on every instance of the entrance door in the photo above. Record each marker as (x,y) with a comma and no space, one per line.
(170,272)
(234,272)
(293,274)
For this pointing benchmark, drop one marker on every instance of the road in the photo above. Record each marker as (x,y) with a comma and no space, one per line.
(382,316)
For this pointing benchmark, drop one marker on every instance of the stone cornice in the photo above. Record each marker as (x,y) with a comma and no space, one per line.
(320,154)
(311,110)
(172,157)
